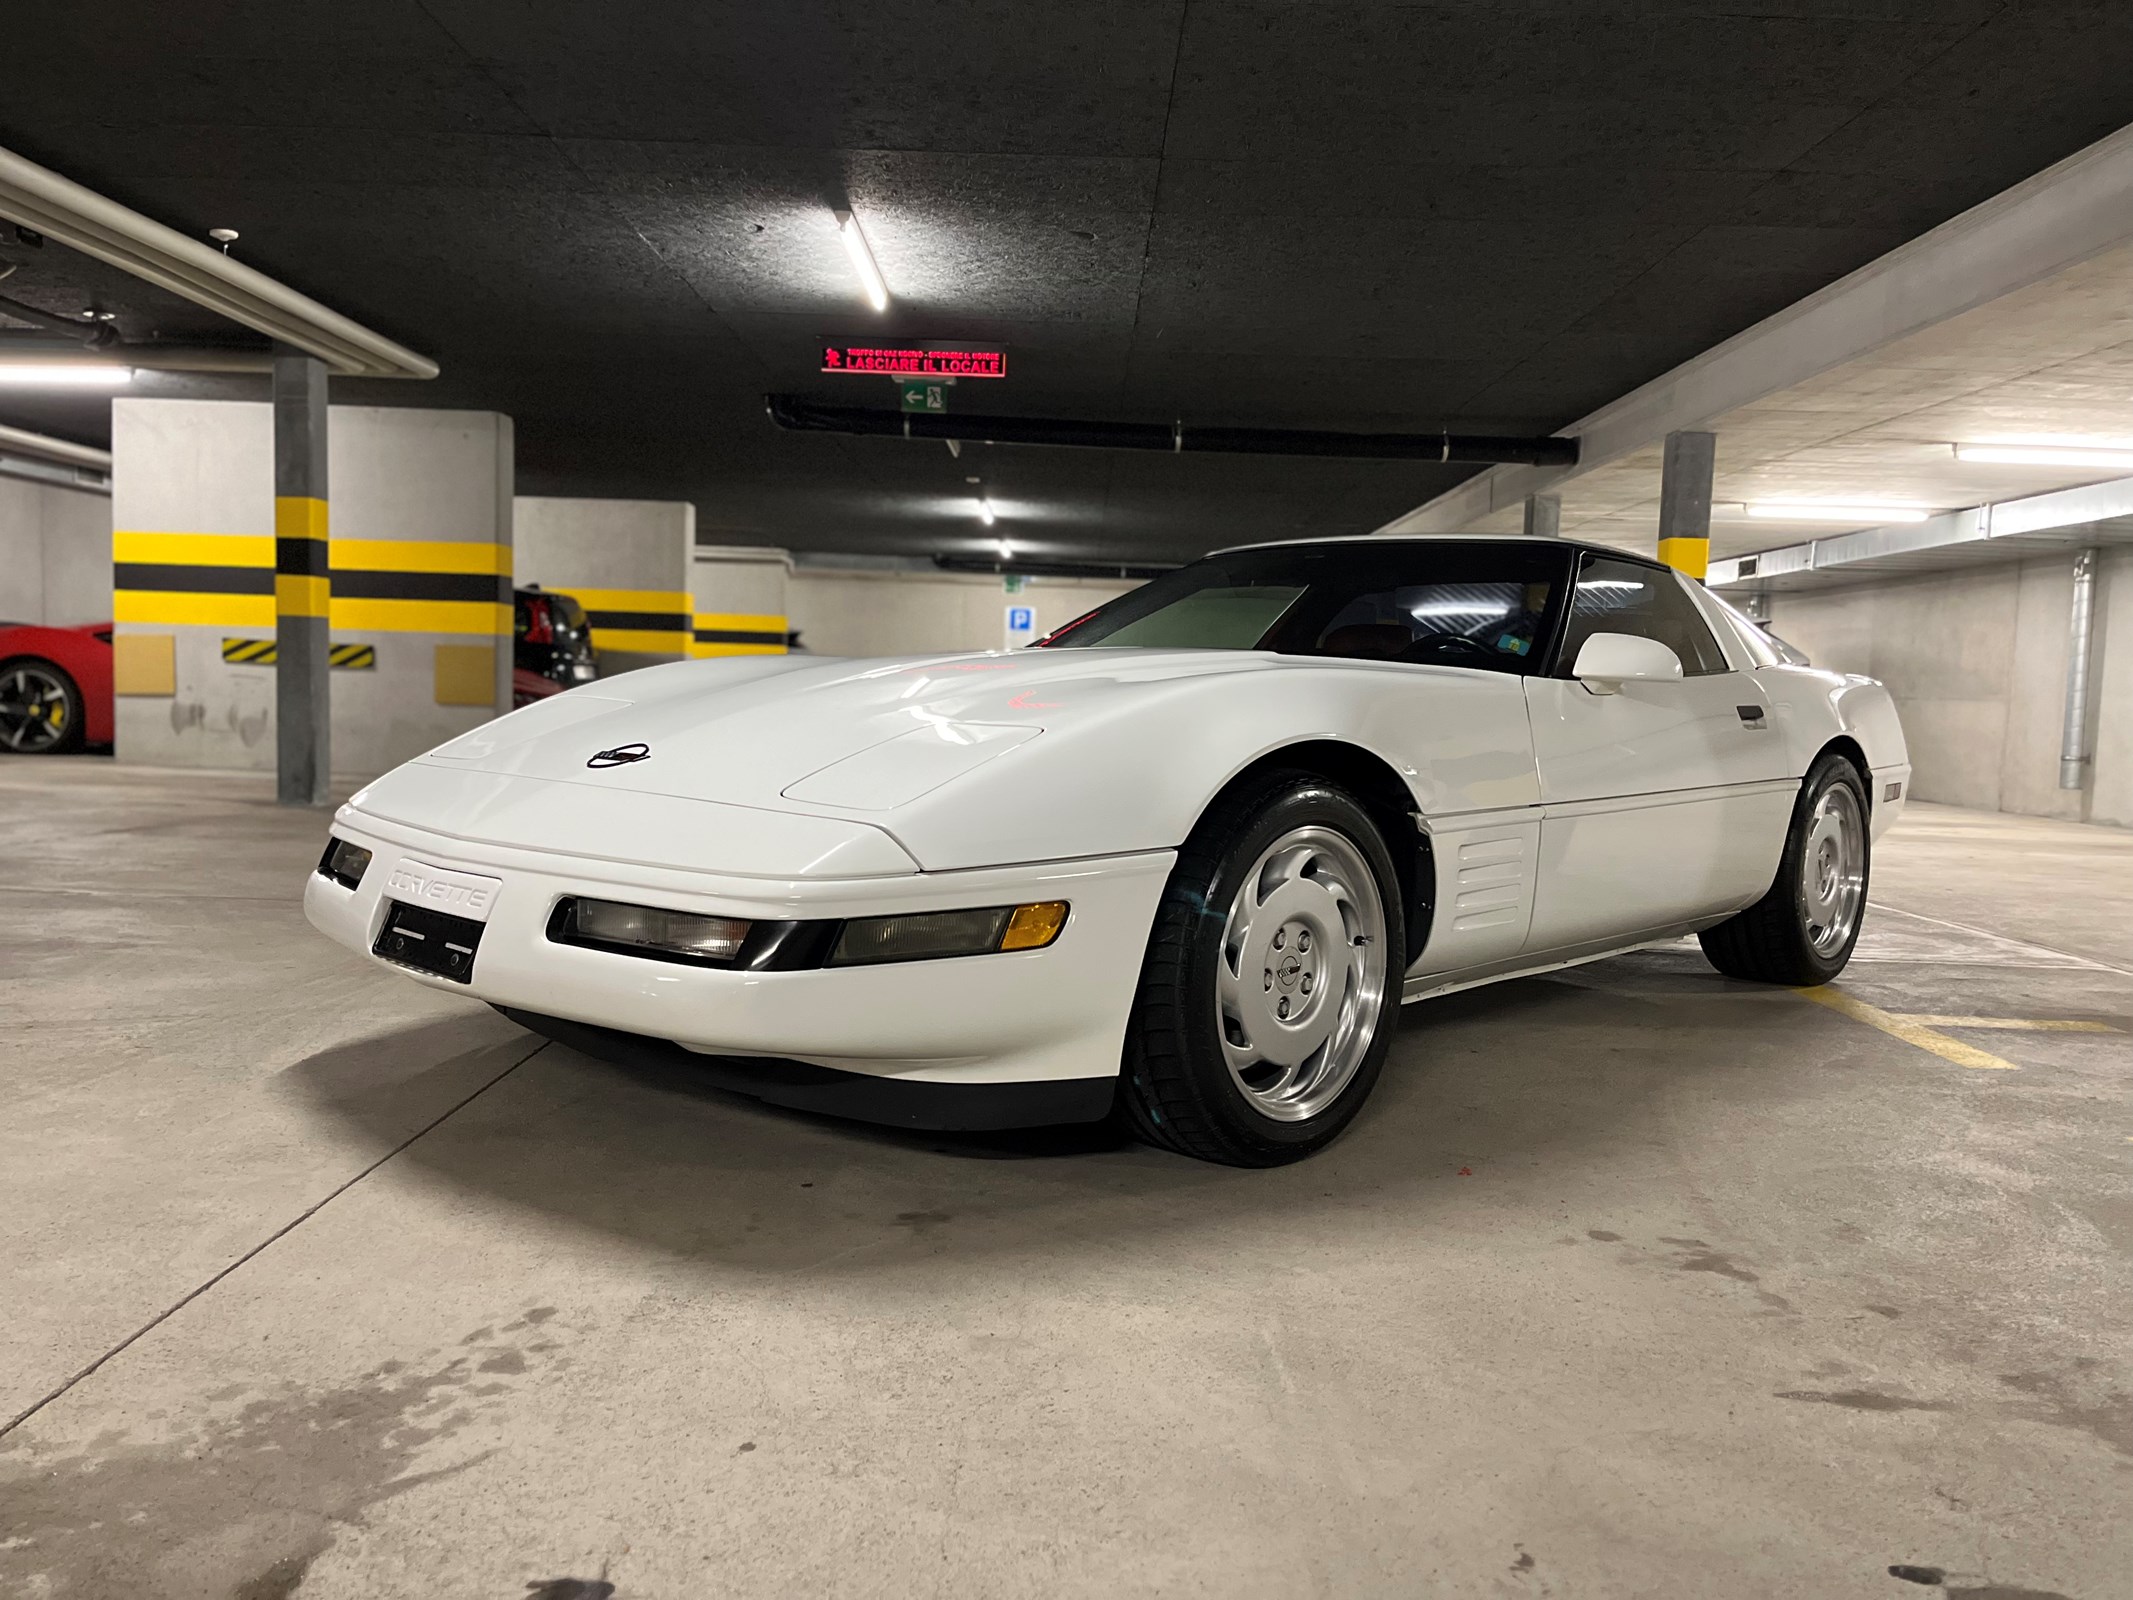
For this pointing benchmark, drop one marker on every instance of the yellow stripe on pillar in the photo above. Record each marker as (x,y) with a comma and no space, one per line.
(1690,557)
(301,596)
(299,516)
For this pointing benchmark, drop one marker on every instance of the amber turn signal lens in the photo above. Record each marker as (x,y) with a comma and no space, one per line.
(1034,927)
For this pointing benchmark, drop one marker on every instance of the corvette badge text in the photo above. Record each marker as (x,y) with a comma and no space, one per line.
(431,887)
(621,756)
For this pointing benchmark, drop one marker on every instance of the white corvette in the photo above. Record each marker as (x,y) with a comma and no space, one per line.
(1183,859)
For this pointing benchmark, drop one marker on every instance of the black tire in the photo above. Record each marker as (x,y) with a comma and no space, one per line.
(1773,940)
(1176,1088)
(25,675)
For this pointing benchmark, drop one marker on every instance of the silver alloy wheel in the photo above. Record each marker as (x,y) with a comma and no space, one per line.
(1833,869)
(33,708)
(1300,986)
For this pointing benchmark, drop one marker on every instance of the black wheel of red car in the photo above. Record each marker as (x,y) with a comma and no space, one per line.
(40,708)
(1272,983)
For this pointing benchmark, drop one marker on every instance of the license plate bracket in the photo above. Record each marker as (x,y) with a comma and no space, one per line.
(435,942)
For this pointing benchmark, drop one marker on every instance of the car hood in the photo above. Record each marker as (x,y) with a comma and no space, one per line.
(793,733)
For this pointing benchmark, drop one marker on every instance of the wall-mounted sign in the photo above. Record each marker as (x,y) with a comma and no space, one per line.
(917,360)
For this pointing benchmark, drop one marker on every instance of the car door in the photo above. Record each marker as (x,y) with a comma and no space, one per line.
(1665,800)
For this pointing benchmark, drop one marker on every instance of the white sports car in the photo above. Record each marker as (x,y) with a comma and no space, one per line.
(1183,859)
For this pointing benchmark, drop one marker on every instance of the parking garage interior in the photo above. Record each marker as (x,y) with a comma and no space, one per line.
(370,374)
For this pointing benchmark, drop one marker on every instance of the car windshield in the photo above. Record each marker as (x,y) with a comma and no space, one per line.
(1435,602)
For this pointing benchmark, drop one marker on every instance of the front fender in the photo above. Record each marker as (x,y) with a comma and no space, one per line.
(1136,771)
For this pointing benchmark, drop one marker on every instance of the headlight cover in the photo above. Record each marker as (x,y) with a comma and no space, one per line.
(929,935)
(650,931)
(343,862)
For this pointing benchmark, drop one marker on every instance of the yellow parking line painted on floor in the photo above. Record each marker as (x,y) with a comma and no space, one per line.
(1909,1031)
(2011,1024)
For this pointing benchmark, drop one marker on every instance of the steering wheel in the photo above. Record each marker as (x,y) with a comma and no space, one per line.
(1455,645)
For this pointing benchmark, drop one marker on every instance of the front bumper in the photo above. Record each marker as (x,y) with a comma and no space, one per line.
(862,1096)
(1040,1016)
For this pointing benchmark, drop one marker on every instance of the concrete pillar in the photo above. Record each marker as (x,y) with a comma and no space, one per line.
(625,561)
(1544,516)
(741,601)
(419,564)
(1685,502)
(303,713)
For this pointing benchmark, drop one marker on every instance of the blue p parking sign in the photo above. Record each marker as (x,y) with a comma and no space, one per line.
(1021,626)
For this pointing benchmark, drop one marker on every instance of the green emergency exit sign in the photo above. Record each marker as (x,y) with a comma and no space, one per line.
(922,396)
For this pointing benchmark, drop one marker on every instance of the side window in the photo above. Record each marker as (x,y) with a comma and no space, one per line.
(1625,597)
(1490,623)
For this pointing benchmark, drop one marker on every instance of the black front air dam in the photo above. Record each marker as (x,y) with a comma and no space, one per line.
(895,1102)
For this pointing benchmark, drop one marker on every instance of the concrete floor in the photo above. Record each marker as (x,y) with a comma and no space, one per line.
(1631,1281)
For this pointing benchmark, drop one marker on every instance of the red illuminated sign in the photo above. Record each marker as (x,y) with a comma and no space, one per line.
(917,360)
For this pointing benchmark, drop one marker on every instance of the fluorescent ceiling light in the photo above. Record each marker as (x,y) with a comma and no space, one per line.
(985,510)
(60,375)
(1858,513)
(1007,550)
(855,246)
(2063,441)
(2035,455)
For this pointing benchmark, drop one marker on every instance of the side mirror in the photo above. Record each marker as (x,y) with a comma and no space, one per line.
(1609,660)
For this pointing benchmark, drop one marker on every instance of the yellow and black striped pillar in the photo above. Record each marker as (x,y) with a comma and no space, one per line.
(303,587)
(1685,473)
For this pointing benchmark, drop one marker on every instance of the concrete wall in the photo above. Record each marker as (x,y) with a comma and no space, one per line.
(55,554)
(911,613)
(625,561)
(419,508)
(1976,659)
(740,594)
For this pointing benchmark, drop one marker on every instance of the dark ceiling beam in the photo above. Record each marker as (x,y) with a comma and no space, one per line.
(1176,438)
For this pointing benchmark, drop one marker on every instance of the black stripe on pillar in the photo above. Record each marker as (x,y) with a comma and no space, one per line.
(191,580)
(654,621)
(416,586)
(300,558)
(736,636)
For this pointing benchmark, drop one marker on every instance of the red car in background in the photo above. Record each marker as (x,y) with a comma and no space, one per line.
(55,683)
(55,687)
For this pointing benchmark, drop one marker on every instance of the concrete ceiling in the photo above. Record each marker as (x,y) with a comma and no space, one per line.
(613,222)
(2051,359)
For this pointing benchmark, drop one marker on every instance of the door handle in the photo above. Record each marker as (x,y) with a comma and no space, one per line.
(1751,716)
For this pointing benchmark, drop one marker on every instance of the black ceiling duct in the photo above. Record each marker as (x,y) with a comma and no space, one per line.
(1051,569)
(804,416)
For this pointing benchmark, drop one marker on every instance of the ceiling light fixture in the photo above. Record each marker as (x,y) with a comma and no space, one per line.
(34,376)
(2035,455)
(855,246)
(985,511)
(1858,513)
(1007,550)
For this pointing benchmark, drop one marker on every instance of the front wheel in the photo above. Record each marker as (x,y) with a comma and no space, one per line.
(40,708)
(1271,986)
(1802,932)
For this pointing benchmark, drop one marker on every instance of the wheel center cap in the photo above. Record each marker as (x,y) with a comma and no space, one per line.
(1289,970)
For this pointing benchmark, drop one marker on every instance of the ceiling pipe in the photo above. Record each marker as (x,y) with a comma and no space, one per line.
(93,334)
(804,416)
(20,441)
(1050,569)
(39,199)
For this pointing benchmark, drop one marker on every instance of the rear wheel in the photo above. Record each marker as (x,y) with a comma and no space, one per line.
(40,708)
(1802,932)
(1268,998)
